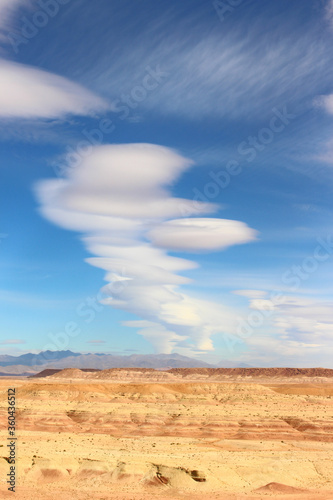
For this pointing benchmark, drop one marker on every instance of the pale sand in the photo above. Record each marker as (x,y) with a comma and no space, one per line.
(85,439)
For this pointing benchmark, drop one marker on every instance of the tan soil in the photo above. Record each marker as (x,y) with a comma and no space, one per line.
(98,438)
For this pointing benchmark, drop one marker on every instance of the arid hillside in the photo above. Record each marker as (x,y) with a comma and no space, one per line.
(86,435)
(315,375)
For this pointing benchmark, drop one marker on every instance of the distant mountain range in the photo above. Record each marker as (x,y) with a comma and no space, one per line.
(30,363)
(31,359)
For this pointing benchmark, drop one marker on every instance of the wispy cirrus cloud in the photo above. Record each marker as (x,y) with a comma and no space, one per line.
(22,299)
(120,199)
(96,341)
(329,11)
(12,342)
(230,75)
(233,73)
(325,147)
(255,71)
(8,9)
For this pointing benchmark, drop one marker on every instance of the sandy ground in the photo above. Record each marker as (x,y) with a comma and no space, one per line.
(100,439)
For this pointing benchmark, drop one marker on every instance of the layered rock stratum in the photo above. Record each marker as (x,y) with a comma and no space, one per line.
(143,434)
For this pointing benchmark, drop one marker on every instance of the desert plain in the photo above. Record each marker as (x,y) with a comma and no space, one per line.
(140,434)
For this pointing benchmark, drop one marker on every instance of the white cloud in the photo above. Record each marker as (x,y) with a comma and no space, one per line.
(305,320)
(125,181)
(119,198)
(201,234)
(162,339)
(262,304)
(27,92)
(302,332)
(251,294)
(6,6)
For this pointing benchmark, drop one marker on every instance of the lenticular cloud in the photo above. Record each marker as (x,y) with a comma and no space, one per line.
(28,92)
(119,198)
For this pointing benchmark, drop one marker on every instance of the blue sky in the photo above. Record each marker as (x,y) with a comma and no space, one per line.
(167,178)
